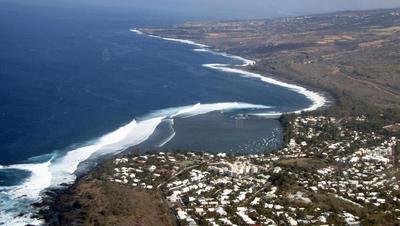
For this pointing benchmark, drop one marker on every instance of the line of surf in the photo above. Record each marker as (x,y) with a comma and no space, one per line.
(246,62)
(184,41)
(167,140)
(60,170)
(203,48)
(318,100)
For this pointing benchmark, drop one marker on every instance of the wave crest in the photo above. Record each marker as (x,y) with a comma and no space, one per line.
(60,170)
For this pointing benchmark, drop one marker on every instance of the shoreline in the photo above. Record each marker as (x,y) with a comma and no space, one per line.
(319,100)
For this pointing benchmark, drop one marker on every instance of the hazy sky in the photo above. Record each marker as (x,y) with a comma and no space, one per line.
(253,8)
(233,9)
(262,7)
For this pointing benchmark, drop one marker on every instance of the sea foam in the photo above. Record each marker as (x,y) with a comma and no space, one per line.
(60,170)
(136,31)
(170,136)
(184,41)
(317,99)
(199,109)
(246,62)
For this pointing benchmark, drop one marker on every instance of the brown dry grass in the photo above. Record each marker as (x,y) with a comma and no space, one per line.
(354,54)
(95,202)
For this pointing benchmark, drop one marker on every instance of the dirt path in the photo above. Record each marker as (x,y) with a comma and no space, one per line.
(369,83)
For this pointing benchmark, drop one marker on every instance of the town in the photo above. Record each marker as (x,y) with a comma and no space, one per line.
(330,172)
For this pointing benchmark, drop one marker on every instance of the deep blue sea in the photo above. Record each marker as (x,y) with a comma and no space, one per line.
(76,83)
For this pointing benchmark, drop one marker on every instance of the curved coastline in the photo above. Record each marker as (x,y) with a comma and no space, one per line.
(318,100)
(60,170)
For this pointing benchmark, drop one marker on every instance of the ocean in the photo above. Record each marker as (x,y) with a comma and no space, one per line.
(77,84)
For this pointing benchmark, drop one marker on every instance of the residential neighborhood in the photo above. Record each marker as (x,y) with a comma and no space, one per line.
(330,172)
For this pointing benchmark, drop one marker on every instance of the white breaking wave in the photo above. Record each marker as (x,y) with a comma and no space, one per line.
(136,31)
(203,48)
(56,172)
(40,178)
(272,114)
(171,136)
(167,140)
(184,41)
(246,62)
(317,99)
(200,109)
(129,135)
(29,190)
(61,170)
(186,110)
